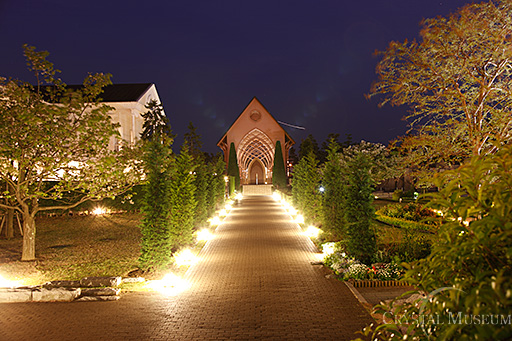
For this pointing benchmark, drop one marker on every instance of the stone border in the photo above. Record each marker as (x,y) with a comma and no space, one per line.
(87,289)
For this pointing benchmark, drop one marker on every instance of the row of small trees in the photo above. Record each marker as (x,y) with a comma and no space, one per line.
(181,190)
(338,194)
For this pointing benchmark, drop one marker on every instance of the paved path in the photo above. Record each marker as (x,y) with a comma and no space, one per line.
(254,281)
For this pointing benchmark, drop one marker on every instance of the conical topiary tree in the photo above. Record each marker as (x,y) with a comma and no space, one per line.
(278,170)
(233,169)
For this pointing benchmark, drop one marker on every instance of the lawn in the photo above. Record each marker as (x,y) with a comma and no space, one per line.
(75,247)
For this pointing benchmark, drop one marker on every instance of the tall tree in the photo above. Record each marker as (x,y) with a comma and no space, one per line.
(193,140)
(305,188)
(308,145)
(156,204)
(335,193)
(456,79)
(233,169)
(55,133)
(279,178)
(183,200)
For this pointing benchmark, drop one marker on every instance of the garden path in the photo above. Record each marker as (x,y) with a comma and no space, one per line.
(254,280)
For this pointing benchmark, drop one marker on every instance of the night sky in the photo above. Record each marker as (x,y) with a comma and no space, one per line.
(309,62)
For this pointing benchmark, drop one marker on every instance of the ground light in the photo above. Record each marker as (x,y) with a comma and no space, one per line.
(299,219)
(185,258)
(204,235)
(223,212)
(99,211)
(312,232)
(170,285)
(276,196)
(5,283)
(328,249)
(215,221)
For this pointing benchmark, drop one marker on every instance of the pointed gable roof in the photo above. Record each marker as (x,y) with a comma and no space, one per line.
(255,102)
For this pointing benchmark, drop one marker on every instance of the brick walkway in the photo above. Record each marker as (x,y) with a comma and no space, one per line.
(253,281)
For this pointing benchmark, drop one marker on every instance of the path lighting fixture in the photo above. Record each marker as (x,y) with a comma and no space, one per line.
(215,221)
(328,249)
(5,283)
(299,219)
(226,178)
(185,258)
(228,207)
(170,285)
(239,196)
(99,210)
(204,235)
(223,213)
(312,231)
(276,196)
(292,211)
(321,189)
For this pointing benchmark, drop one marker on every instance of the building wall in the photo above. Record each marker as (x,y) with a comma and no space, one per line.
(129,116)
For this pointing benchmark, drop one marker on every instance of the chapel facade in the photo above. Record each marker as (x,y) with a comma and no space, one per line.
(254,135)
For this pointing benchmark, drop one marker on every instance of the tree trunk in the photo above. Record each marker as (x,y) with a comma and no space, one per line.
(9,227)
(29,238)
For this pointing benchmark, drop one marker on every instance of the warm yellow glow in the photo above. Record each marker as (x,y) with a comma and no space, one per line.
(215,221)
(204,235)
(185,258)
(5,283)
(223,213)
(226,178)
(328,249)
(99,211)
(276,196)
(170,285)
(228,207)
(292,211)
(239,196)
(312,232)
(299,219)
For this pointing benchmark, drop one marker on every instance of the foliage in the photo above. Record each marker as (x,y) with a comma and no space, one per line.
(279,178)
(216,184)
(471,262)
(305,195)
(156,250)
(155,122)
(335,193)
(359,211)
(404,223)
(51,131)
(349,268)
(410,211)
(233,169)
(457,82)
(308,145)
(183,201)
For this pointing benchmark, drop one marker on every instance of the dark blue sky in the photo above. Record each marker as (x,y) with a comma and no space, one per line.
(309,62)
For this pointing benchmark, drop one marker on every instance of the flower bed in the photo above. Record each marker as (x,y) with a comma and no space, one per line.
(348,268)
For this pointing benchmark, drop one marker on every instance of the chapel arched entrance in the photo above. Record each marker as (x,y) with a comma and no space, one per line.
(256,173)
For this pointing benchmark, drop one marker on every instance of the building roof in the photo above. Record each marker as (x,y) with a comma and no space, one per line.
(287,136)
(119,92)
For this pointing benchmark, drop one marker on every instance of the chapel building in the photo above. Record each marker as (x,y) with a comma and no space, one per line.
(254,135)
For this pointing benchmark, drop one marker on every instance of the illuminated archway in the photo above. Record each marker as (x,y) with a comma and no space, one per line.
(255,145)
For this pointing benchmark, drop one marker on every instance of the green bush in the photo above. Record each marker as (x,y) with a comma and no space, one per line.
(469,270)
(406,224)
(411,211)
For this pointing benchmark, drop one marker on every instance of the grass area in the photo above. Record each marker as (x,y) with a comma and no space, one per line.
(75,247)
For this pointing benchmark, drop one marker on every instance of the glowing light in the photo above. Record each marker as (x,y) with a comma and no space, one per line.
(312,232)
(228,207)
(204,235)
(99,211)
(223,213)
(292,211)
(239,196)
(5,283)
(226,179)
(170,285)
(299,219)
(276,196)
(328,249)
(215,221)
(185,258)
(321,189)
